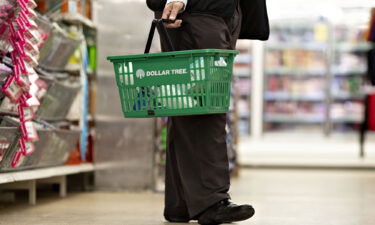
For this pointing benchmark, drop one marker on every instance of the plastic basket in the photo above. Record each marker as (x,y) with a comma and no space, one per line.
(56,103)
(174,83)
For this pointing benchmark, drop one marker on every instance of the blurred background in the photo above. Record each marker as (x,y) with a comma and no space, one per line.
(302,111)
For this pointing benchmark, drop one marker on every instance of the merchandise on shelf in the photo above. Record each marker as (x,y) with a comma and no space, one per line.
(348,70)
(242,86)
(81,7)
(315,72)
(289,87)
(29,95)
(20,40)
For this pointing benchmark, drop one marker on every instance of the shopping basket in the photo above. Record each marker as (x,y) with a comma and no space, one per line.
(174,83)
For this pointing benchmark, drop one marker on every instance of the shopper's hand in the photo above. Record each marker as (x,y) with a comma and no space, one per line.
(170,12)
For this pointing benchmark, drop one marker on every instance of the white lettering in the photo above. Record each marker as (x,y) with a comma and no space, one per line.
(165,72)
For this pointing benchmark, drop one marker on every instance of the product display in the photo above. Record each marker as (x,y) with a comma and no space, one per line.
(37,90)
(18,17)
(312,80)
(242,86)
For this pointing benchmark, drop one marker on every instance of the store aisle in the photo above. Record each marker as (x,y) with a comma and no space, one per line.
(287,197)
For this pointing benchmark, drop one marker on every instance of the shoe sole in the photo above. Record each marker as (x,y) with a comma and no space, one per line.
(173,220)
(235,217)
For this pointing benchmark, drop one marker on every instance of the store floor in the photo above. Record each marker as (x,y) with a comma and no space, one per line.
(280,197)
(307,149)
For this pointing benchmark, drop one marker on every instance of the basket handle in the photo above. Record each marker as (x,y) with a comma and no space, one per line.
(164,33)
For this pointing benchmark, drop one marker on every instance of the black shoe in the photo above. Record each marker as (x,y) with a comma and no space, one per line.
(172,219)
(226,212)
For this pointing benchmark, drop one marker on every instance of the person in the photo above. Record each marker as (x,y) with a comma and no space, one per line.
(197,168)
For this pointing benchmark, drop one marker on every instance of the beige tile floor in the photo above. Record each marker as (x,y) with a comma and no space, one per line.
(281,197)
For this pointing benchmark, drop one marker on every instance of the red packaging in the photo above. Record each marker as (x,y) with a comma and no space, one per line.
(20,23)
(22,4)
(12,90)
(33,36)
(26,20)
(30,60)
(31,48)
(21,79)
(24,98)
(29,132)
(27,147)
(31,4)
(16,159)
(26,113)
(31,14)
(18,35)
(18,46)
(21,64)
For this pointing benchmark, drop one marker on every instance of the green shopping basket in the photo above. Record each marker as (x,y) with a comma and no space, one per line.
(174,83)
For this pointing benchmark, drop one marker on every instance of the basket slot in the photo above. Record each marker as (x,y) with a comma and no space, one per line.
(173,96)
(178,96)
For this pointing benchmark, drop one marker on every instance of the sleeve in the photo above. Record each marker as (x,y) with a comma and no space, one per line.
(183,1)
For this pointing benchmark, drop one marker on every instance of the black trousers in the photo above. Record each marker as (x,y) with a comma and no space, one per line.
(197,173)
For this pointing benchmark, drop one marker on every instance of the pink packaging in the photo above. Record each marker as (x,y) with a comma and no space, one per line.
(31,4)
(21,24)
(21,79)
(26,113)
(32,14)
(27,147)
(22,65)
(16,159)
(33,36)
(31,48)
(18,46)
(16,35)
(29,132)
(26,96)
(25,19)
(12,90)
(32,61)
(23,5)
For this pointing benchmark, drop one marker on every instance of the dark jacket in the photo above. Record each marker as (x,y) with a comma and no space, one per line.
(254,14)
(224,8)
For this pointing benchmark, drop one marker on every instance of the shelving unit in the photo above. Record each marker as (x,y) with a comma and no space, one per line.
(242,86)
(349,68)
(67,66)
(28,179)
(313,76)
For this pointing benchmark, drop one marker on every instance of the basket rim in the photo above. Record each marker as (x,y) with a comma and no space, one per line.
(174,53)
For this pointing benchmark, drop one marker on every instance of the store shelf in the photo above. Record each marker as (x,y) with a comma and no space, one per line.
(75,18)
(44,173)
(350,47)
(348,96)
(293,119)
(241,75)
(245,117)
(295,72)
(243,59)
(297,46)
(242,71)
(354,120)
(349,72)
(287,97)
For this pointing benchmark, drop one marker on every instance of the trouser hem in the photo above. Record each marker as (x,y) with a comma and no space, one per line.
(196,209)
